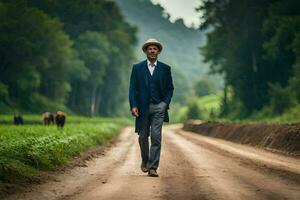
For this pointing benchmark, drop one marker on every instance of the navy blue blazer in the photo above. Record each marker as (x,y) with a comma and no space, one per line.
(138,89)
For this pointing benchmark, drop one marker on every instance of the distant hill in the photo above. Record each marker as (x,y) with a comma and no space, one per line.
(181,44)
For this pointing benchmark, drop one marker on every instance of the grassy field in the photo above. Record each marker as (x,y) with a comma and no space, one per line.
(26,150)
(208,107)
(37,119)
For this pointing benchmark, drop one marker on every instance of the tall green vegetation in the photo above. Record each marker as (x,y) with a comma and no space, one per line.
(37,58)
(64,54)
(255,45)
(27,150)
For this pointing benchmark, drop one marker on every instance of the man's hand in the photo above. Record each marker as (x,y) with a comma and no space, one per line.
(135,112)
(164,105)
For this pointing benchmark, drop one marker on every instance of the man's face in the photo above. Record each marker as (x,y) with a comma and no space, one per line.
(152,52)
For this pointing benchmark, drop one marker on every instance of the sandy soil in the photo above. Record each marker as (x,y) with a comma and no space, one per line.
(192,167)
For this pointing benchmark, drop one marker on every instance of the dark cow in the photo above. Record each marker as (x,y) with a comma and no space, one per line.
(48,118)
(60,119)
(18,119)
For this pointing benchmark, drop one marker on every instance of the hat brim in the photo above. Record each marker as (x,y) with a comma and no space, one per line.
(152,43)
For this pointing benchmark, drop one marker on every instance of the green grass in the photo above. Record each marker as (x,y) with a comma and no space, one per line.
(209,108)
(177,113)
(37,119)
(26,150)
(291,115)
(209,105)
(265,115)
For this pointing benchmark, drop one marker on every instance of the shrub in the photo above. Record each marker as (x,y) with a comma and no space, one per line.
(281,98)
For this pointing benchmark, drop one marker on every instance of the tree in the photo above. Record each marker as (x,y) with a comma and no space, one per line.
(103,17)
(193,110)
(94,49)
(36,56)
(204,87)
(55,53)
(295,79)
(280,29)
(234,47)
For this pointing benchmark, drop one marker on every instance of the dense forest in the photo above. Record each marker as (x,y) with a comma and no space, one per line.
(255,45)
(71,55)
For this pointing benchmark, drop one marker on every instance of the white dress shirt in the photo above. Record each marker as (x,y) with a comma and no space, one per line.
(151,66)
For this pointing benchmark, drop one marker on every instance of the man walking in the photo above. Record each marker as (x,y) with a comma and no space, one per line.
(150,92)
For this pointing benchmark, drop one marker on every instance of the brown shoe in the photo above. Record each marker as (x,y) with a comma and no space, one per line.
(152,173)
(144,167)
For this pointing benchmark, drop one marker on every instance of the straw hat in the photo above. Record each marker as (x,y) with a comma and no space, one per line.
(152,41)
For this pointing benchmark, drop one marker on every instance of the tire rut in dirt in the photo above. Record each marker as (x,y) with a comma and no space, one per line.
(227,179)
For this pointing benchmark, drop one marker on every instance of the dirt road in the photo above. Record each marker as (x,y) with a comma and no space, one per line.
(192,167)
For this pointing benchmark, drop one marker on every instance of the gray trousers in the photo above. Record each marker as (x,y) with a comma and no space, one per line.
(151,126)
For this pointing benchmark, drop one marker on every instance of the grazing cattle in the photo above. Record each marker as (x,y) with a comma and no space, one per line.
(60,119)
(18,119)
(48,118)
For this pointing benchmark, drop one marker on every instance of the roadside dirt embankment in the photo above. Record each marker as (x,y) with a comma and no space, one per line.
(283,138)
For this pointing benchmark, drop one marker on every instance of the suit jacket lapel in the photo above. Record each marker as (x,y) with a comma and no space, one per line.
(157,69)
(145,71)
(159,73)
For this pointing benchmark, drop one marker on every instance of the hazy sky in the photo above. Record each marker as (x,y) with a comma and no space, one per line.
(184,9)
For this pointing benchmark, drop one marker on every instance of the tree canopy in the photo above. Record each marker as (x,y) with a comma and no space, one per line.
(62,54)
(253,43)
